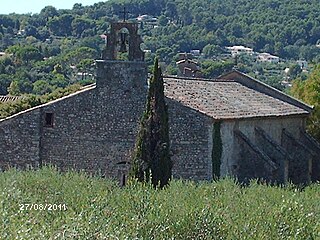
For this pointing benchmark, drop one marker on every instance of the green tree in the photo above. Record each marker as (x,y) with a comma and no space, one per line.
(163,21)
(48,12)
(171,10)
(5,81)
(75,56)
(151,154)
(31,31)
(61,26)
(81,24)
(211,50)
(28,53)
(212,69)
(309,91)
(14,88)
(294,71)
(41,87)
(85,66)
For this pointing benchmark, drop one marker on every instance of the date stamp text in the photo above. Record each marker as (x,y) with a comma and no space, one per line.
(43,207)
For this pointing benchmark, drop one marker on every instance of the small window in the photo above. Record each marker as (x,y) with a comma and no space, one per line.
(123,180)
(49,119)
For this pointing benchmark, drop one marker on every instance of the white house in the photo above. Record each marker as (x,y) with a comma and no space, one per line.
(147,19)
(195,52)
(267,57)
(236,50)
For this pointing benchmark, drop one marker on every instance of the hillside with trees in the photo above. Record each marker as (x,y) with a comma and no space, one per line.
(55,48)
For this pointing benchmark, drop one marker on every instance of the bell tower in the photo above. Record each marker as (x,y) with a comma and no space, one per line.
(123,33)
(121,89)
(131,74)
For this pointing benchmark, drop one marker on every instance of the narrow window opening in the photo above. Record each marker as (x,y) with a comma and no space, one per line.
(123,180)
(49,119)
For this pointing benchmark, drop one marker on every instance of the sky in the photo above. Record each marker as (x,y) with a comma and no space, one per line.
(35,6)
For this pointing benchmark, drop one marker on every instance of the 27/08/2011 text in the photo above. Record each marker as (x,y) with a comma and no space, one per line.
(43,207)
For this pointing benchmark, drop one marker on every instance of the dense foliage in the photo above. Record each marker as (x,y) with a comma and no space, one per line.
(286,28)
(152,150)
(98,209)
(289,29)
(31,100)
(25,69)
(309,91)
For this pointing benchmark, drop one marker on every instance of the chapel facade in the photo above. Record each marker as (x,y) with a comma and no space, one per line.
(230,126)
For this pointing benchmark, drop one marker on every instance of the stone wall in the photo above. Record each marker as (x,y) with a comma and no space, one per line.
(19,140)
(276,153)
(312,144)
(94,129)
(300,166)
(252,163)
(191,142)
(273,127)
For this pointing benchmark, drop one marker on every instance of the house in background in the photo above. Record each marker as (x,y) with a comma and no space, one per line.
(267,57)
(237,50)
(188,67)
(147,21)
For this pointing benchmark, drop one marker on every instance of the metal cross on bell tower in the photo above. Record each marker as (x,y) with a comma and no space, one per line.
(124,37)
(125,14)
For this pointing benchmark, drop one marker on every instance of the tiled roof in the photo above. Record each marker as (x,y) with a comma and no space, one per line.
(10,98)
(227,99)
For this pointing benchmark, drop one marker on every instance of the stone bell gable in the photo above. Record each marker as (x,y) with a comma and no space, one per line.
(129,33)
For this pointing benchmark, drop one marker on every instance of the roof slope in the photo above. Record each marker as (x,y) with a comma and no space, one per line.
(229,99)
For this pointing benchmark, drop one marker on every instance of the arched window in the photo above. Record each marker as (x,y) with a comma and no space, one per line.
(123,44)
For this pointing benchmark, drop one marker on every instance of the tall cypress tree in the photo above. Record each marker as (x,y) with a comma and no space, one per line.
(151,155)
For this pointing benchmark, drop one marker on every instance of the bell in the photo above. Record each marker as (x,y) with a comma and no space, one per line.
(123,47)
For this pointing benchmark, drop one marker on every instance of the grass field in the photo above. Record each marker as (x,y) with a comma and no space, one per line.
(84,207)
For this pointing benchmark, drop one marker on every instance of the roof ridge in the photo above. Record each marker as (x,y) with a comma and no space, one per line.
(266,89)
(198,78)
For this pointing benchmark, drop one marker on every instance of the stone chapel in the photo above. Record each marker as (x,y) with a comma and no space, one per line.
(230,126)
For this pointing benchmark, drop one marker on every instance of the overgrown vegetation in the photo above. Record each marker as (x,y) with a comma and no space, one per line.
(152,151)
(98,209)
